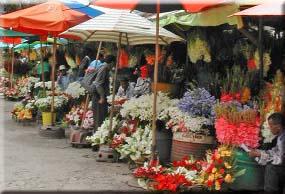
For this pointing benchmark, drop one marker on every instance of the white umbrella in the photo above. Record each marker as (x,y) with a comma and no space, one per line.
(136,30)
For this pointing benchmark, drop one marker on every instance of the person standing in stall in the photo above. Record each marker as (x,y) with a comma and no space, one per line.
(100,88)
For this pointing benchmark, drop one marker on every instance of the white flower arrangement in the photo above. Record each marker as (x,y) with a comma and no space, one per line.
(44,104)
(178,121)
(101,135)
(75,90)
(48,85)
(138,145)
(141,108)
(30,105)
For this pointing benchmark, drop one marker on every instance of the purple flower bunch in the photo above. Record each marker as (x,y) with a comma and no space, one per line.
(198,102)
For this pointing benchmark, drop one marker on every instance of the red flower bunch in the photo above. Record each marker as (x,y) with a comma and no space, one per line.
(118,140)
(228,97)
(129,127)
(170,182)
(188,164)
(148,172)
(238,133)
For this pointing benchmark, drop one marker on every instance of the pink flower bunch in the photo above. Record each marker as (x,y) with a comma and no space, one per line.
(118,140)
(238,133)
(88,120)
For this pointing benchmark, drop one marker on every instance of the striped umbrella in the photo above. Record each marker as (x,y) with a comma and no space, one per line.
(121,27)
(134,30)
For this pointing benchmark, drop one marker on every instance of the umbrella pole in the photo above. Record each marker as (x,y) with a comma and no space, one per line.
(88,95)
(42,67)
(12,66)
(114,84)
(53,80)
(155,81)
(260,50)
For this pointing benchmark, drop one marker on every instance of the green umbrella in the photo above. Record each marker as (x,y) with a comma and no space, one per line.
(10,33)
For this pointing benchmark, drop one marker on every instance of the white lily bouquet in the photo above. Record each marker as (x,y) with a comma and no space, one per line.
(75,90)
(48,85)
(178,121)
(141,108)
(101,136)
(138,145)
(44,104)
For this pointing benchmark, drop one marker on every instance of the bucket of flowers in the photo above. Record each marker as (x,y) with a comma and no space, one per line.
(44,106)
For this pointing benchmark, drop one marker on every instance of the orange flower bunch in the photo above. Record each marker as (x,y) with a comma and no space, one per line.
(219,170)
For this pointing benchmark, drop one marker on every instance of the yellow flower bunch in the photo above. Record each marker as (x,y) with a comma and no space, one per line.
(219,170)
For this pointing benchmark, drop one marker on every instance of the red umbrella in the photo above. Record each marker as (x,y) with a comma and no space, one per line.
(157,6)
(274,8)
(49,18)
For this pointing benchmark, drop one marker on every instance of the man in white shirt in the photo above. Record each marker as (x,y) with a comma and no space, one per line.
(126,89)
(273,159)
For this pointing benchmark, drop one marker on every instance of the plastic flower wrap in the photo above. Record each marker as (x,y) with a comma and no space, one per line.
(198,46)
(101,136)
(197,102)
(138,145)
(236,126)
(141,108)
(75,90)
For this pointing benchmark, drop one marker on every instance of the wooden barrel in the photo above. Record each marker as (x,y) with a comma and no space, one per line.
(163,87)
(187,143)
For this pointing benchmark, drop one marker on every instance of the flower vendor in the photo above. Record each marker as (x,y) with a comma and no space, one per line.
(274,158)
(126,89)
(143,85)
(101,90)
(63,79)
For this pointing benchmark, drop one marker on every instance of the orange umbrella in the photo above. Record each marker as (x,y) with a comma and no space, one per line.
(274,8)
(50,18)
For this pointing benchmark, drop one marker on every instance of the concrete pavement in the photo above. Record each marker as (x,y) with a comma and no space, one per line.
(30,162)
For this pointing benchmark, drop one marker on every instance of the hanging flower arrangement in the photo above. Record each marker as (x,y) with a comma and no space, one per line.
(266,62)
(198,46)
